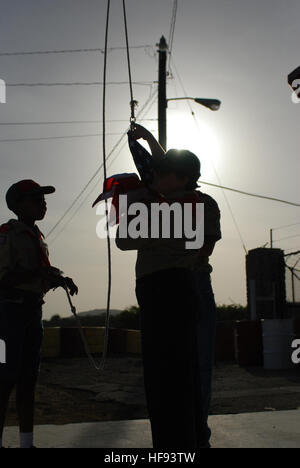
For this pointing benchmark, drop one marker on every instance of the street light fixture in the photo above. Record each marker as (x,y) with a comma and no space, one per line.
(212,104)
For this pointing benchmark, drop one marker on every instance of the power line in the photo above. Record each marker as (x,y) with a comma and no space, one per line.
(250,194)
(229,188)
(286,238)
(150,102)
(110,154)
(75,213)
(172,29)
(292,253)
(143,109)
(201,181)
(70,51)
(63,137)
(225,196)
(59,122)
(85,199)
(212,163)
(286,226)
(80,83)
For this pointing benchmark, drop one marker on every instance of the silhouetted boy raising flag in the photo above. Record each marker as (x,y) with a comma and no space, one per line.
(174,292)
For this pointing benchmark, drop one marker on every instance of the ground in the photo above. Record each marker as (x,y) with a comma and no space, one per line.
(69,391)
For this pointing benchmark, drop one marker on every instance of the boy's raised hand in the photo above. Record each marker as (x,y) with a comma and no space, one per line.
(140,132)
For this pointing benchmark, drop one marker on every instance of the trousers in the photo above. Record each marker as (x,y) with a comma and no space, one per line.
(21,330)
(177,329)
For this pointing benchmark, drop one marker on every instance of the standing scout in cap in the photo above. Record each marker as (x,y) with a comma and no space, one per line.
(25,277)
(177,305)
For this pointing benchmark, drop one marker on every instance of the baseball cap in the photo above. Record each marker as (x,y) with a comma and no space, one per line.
(24,188)
(182,162)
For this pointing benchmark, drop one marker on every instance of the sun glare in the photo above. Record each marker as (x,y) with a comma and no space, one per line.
(184,133)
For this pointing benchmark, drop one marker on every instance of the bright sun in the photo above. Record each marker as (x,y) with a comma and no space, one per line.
(185,133)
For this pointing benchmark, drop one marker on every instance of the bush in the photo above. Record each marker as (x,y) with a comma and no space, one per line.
(130,318)
(232,312)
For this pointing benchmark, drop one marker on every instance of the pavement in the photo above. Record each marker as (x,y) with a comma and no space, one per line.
(274,429)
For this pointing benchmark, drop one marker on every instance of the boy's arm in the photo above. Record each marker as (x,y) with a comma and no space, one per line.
(128,243)
(156,149)
(207,248)
(55,279)
(12,278)
(64,281)
(212,228)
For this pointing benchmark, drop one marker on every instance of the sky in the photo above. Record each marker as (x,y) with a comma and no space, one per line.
(237,51)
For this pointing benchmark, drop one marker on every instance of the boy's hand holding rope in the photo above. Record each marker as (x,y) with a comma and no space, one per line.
(56,280)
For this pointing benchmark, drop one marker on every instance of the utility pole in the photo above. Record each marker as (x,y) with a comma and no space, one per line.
(293,285)
(162,92)
(212,104)
(271,238)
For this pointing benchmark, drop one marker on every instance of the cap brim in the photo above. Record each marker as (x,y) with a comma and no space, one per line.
(97,200)
(47,190)
(41,191)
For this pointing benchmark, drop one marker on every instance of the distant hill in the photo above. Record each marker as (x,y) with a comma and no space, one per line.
(128,318)
(98,312)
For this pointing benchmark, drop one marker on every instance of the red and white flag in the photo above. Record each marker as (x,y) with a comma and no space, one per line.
(116,185)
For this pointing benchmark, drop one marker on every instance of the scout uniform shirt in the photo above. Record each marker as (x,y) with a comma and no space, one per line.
(163,254)
(212,229)
(23,249)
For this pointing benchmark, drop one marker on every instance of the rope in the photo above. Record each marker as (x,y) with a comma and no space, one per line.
(132,123)
(105,346)
(133,103)
(83,337)
(73,309)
